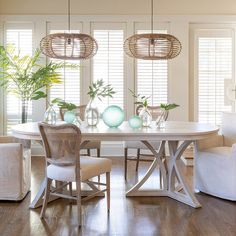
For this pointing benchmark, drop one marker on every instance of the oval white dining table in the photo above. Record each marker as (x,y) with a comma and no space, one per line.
(178,135)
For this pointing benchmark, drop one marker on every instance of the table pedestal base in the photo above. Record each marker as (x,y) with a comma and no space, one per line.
(174,184)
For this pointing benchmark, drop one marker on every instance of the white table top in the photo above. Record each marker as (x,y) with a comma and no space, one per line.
(174,130)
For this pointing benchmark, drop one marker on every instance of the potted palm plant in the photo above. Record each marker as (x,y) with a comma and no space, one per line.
(26,77)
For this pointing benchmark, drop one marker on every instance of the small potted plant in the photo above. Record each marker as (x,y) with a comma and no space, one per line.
(165,112)
(144,114)
(96,91)
(69,116)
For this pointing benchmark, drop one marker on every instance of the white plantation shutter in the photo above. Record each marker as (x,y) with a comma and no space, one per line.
(152,77)
(215,57)
(21,37)
(108,64)
(69,89)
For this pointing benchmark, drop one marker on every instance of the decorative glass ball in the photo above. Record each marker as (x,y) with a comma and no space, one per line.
(69,117)
(113,116)
(135,122)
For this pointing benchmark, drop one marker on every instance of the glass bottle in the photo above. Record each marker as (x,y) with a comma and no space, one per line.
(50,116)
(146,117)
(160,121)
(91,113)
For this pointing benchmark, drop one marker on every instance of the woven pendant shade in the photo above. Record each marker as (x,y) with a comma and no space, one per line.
(69,46)
(152,46)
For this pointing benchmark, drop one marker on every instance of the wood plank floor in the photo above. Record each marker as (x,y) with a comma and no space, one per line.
(129,216)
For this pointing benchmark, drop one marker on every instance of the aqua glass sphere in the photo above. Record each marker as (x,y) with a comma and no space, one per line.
(135,122)
(69,117)
(113,116)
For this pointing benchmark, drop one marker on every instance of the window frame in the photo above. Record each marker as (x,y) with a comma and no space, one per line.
(147,26)
(112,26)
(77,25)
(17,26)
(211,30)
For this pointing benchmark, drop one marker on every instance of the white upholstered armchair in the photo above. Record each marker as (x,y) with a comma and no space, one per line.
(215,161)
(15,169)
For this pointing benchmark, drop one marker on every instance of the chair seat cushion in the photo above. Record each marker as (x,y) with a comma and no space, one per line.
(89,167)
(140,145)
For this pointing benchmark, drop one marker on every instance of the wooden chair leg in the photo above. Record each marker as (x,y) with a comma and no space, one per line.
(98,152)
(71,191)
(108,190)
(46,197)
(160,176)
(88,152)
(125,164)
(138,157)
(98,155)
(78,192)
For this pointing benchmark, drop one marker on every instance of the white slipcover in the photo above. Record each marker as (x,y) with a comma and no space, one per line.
(15,169)
(215,161)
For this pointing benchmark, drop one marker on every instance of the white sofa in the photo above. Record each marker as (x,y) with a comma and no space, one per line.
(15,169)
(215,161)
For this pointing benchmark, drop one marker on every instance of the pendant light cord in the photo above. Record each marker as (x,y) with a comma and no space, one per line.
(152,16)
(69,15)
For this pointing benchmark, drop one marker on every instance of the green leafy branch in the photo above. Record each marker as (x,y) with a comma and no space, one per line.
(99,90)
(64,105)
(140,100)
(25,76)
(168,107)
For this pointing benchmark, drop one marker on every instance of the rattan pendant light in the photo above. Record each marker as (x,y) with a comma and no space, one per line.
(152,46)
(69,46)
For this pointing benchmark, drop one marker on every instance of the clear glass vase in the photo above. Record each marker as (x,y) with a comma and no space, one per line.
(50,116)
(91,113)
(146,117)
(160,121)
(24,110)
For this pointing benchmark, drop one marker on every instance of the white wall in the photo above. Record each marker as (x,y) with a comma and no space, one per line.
(120,7)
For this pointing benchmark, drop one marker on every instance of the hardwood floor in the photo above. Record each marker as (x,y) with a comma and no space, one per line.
(128,216)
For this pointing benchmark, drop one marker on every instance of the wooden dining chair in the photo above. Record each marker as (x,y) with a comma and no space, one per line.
(65,165)
(155,112)
(79,111)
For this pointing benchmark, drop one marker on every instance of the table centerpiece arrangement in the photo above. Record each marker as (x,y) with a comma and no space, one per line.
(97,90)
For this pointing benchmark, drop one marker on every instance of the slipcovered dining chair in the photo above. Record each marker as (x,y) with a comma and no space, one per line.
(215,161)
(64,164)
(139,146)
(15,168)
(79,111)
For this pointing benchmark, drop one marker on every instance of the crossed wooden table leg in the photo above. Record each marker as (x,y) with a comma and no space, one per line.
(173,179)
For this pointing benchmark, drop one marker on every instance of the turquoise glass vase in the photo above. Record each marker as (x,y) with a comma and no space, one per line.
(135,122)
(69,117)
(113,116)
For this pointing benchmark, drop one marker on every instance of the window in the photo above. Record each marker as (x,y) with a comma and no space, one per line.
(21,37)
(108,63)
(152,78)
(69,89)
(214,65)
